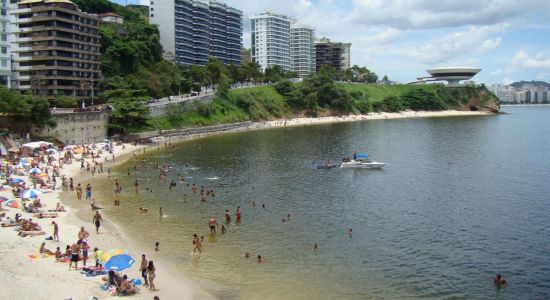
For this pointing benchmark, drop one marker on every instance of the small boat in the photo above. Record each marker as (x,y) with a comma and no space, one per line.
(362,161)
(327,166)
(360,164)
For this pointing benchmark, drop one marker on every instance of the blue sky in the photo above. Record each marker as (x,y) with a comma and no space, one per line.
(508,39)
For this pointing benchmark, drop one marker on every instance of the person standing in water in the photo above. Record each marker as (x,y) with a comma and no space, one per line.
(212,223)
(160,213)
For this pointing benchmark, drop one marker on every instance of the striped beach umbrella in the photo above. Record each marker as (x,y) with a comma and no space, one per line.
(114,252)
(13,203)
(31,193)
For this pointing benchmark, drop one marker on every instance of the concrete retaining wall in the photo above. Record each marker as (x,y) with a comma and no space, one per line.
(78,127)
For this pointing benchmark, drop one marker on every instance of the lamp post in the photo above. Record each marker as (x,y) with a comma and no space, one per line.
(92,87)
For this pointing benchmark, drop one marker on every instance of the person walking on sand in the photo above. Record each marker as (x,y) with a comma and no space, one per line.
(151,274)
(143,269)
(83,234)
(75,250)
(97,220)
(88,192)
(55,232)
(78,192)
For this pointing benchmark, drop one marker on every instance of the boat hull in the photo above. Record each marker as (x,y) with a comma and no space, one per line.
(363,165)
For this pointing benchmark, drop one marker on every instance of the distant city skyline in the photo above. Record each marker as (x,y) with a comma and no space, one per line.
(400,38)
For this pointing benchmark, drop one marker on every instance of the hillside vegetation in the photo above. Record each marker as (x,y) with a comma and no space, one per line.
(318,96)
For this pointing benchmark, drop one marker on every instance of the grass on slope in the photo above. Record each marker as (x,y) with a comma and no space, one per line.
(376,93)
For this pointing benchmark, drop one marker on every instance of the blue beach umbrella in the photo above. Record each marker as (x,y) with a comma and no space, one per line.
(32,193)
(119,262)
(16,180)
(35,171)
(21,165)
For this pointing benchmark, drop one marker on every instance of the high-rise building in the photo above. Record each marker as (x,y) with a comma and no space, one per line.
(56,49)
(271,40)
(335,55)
(5,56)
(194,30)
(302,49)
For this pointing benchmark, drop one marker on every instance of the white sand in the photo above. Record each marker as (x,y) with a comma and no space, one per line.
(23,278)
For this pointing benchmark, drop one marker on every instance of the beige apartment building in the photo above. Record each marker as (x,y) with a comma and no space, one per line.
(55,49)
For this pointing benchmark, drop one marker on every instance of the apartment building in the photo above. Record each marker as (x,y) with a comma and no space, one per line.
(56,49)
(335,55)
(270,38)
(194,30)
(302,49)
(5,56)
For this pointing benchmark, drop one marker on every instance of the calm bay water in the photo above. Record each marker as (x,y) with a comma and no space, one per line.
(462,199)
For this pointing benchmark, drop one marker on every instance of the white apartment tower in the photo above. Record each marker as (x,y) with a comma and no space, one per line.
(271,40)
(302,49)
(5,56)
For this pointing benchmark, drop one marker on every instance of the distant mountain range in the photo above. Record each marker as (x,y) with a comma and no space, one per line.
(520,84)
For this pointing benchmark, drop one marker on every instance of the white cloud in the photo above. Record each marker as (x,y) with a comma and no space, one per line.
(476,40)
(524,60)
(384,37)
(144,2)
(428,14)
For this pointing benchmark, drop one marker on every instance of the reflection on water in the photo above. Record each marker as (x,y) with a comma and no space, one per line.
(462,199)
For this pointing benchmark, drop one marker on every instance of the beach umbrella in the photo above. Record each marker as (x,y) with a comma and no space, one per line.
(42,175)
(21,165)
(35,171)
(51,151)
(13,203)
(31,193)
(16,180)
(119,262)
(114,252)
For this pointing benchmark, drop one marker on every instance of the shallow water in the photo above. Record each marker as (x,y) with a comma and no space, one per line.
(462,199)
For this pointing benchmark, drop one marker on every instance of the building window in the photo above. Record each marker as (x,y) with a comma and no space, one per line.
(4,63)
(4,50)
(4,37)
(152,15)
(152,9)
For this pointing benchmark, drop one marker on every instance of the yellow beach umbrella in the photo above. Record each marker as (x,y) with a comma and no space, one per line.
(108,255)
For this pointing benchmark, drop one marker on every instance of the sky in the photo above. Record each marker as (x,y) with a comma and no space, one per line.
(508,39)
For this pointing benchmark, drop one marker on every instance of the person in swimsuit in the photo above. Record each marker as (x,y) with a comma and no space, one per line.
(212,223)
(151,273)
(78,192)
(75,250)
(143,269)
(97,221)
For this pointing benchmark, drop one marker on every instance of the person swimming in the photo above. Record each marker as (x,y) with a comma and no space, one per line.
(499,281)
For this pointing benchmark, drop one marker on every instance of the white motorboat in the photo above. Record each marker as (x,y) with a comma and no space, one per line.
(361,161)
(361,164)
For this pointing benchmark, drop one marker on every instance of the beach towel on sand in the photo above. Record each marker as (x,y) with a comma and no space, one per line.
(38,256)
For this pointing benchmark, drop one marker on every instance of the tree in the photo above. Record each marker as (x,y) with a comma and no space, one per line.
(26,107)
(214,68)
(223,87)
(66,101)
(273,74)
(129,113)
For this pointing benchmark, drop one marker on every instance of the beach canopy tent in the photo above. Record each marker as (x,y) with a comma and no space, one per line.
(37,145)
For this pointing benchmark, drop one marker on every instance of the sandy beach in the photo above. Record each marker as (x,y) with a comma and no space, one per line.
(43,278)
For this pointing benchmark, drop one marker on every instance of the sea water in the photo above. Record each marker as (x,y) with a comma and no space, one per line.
(462,199)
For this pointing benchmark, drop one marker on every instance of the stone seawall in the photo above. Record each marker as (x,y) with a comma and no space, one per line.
(78,127)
